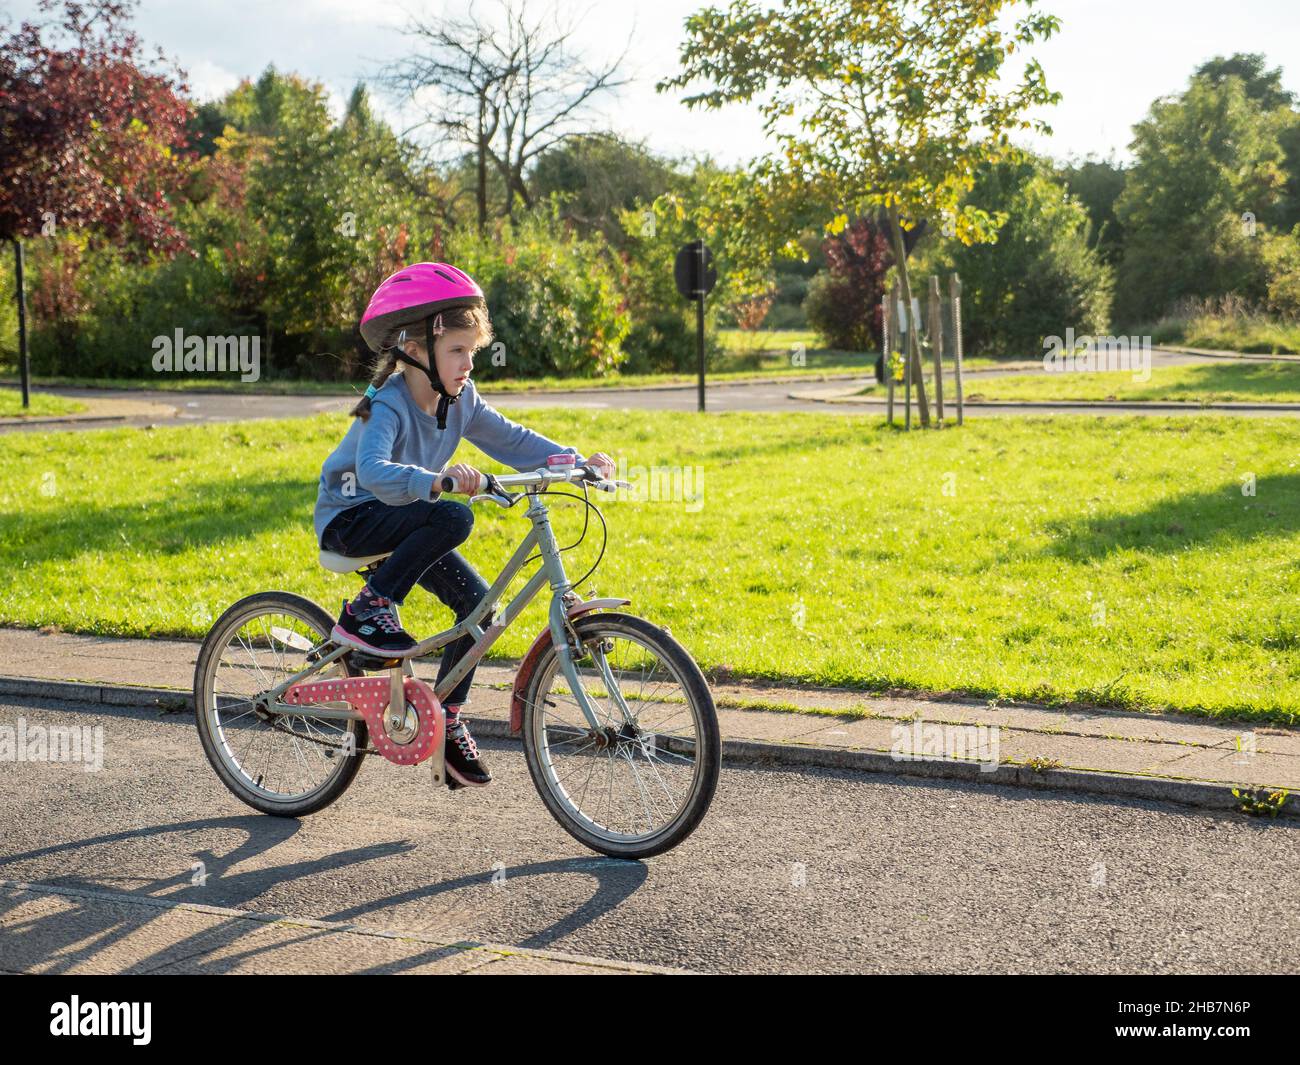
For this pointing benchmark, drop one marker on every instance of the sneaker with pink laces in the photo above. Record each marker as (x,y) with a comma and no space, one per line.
(465,766)
(368,622)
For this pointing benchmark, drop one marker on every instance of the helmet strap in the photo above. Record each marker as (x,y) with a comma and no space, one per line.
(431,372)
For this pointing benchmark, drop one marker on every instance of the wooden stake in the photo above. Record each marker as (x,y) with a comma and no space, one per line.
(954,300)
(936,347)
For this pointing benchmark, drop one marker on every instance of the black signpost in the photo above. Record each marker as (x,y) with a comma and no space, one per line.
(696,275)
(22,321)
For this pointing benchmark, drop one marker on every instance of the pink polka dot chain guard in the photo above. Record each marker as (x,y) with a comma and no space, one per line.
(369,697)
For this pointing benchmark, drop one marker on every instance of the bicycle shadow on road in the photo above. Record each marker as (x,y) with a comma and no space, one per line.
(88,929)
(616,881)
(74,937)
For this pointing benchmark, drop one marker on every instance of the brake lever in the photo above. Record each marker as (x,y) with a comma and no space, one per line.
(610,486)
(602,484)
(496,494)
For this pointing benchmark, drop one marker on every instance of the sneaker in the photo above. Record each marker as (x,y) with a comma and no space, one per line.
(465,769)
(373,628)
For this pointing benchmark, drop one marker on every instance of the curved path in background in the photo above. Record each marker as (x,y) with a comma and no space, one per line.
(755,396)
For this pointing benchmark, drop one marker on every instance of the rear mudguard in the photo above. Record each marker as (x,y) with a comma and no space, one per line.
(534,655)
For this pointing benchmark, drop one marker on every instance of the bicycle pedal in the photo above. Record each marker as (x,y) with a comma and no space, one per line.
(370,663)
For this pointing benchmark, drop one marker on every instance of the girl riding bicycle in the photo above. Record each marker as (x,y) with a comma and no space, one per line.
(377,488)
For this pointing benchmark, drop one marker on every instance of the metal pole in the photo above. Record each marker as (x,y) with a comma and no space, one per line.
(699,315)
(936,346)
(22,323)
(699,334)
(954,298)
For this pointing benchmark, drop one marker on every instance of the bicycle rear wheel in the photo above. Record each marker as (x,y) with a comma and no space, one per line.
(285,766)
(640,783)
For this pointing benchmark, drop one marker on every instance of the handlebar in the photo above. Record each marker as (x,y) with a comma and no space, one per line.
(495,484)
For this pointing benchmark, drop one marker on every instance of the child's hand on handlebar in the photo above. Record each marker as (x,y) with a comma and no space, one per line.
(467,478)
(603,464)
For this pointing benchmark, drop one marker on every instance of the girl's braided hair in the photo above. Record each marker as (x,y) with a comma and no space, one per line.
(475,318)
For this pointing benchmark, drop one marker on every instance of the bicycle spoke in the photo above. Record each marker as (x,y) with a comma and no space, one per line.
(629,779)
(284,757)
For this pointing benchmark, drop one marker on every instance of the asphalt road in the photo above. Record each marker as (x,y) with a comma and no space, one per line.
(821,871)
(753,396)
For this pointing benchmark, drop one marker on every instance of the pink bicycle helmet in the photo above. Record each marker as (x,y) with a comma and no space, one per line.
(414,294)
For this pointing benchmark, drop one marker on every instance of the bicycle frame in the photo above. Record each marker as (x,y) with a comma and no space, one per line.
(540,537)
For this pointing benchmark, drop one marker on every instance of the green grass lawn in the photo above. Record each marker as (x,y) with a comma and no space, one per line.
(42,404)
(1218,382)
(1113,561)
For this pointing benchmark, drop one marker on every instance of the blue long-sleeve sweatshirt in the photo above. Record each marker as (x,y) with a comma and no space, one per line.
(397,454)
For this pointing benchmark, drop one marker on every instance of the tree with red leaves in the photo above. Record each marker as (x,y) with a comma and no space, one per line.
(92,135)
(843,303)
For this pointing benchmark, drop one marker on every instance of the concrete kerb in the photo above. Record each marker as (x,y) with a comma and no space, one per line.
(61,418)
(1193,793)
(880,401)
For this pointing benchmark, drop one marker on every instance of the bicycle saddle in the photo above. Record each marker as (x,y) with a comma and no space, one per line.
(344,564)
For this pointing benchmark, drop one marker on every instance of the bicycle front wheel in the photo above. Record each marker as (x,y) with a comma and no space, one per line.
(642,781)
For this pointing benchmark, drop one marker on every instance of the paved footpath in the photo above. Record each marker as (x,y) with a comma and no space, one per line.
(1171,757)
(773,393)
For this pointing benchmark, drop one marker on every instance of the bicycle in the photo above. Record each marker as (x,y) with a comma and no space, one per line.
(285,713)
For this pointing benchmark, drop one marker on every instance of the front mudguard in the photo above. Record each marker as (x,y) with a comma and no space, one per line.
(526,668)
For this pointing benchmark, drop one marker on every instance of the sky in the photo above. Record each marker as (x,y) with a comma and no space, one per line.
(1110,60)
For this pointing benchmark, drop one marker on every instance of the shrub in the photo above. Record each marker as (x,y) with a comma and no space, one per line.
(664,341)
(1040,277)
(554,301)
(843,301)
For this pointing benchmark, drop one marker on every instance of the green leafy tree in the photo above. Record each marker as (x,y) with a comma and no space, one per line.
(594,178)
(712,204)
(1202,160)
(1042,275)
(875,103)
(1097,184)
(337,207)
(1264,86)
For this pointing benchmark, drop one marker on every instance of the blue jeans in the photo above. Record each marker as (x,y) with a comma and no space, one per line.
(422,537)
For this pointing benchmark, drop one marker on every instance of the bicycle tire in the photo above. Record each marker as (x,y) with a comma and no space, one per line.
(217,639)
(709,743)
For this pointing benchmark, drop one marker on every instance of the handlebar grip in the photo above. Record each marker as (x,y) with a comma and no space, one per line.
(449,485)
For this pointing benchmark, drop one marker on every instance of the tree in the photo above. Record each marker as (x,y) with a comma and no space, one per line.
(844,300)
(1097,184)
(1260,84)
(506,89)
(92,137)
(880,103)
(1201,160)
(336,205)
(1042,275)
(709,203)
(595,176)
(1264,87)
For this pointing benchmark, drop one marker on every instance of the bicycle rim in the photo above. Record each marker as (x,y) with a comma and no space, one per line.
(275,759)
(631,782)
